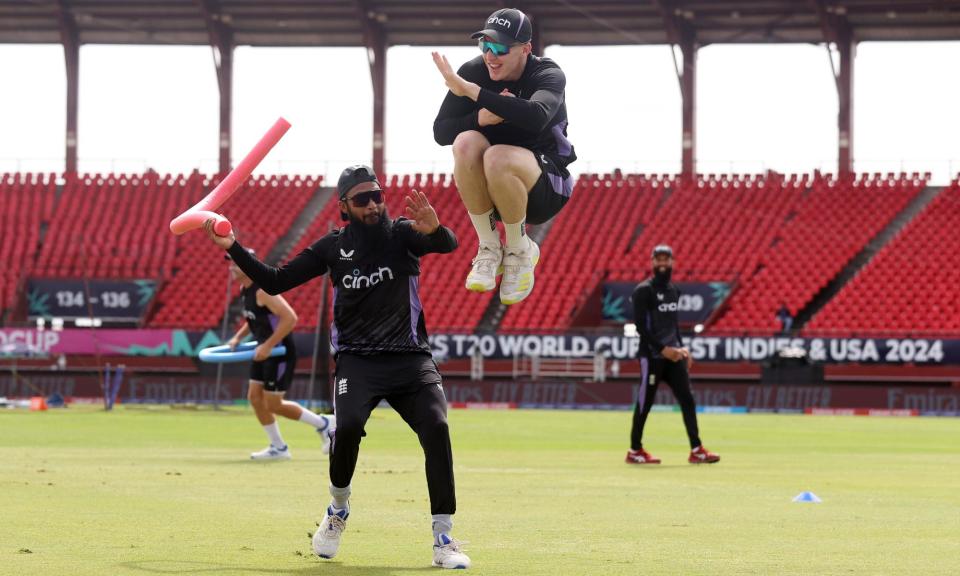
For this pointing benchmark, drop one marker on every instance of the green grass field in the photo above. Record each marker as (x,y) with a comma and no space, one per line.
(163,491)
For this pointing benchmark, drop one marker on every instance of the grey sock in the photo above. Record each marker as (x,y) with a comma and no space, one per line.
(442,524)
(341,496)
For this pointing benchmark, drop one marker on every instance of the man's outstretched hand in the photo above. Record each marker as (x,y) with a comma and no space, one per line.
(422,214)
(455,83)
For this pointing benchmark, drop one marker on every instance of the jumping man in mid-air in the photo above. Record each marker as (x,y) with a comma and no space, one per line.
(506,117)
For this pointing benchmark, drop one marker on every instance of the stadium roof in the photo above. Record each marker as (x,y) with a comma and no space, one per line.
(378,24)
(449,22)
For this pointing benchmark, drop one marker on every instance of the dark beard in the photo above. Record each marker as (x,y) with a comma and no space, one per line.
(372,236)
(662,278)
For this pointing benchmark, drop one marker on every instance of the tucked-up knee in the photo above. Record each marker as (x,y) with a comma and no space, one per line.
(498,162)
(502,162)
(469,146)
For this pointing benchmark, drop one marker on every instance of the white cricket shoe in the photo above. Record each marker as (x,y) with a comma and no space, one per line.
(518,268)
(486,268)
(271,452)
(449,554)
(326,432)
(326,540)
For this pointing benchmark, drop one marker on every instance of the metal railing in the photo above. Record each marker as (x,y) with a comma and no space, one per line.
(592,369)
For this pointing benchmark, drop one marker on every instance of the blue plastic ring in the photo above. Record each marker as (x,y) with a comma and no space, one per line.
(242,353)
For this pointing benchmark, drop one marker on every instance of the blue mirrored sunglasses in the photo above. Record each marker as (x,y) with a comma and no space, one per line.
(497,48)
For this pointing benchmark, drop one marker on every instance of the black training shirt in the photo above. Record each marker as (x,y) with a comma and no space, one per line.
(376,294)
(655,314)
(261,321)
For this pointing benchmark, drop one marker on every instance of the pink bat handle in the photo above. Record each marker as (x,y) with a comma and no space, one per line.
(193,219)
(204,209)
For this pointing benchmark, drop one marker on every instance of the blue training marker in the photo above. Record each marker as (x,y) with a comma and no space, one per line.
(807,497)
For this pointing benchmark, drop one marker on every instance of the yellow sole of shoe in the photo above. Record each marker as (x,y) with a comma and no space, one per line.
(517,301)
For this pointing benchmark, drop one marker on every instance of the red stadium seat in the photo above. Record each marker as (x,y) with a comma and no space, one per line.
(882,298)
(778,239)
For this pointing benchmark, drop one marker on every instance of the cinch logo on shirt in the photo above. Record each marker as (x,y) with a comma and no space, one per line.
(668,307)
(358,282)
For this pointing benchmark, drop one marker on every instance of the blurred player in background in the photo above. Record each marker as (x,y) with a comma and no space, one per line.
(506,117)
(662,358)
(271,321)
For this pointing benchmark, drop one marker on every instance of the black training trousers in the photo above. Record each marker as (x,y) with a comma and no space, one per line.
(652,372)
(411,384)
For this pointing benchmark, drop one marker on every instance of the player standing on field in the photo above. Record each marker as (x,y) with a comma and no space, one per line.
(662,357)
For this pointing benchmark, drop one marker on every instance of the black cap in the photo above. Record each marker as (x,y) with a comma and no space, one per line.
(350,177)
(226,255)
(507,26)
(662,249)
(356,174)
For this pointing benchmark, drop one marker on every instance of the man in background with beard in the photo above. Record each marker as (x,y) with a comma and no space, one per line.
(662,357)
(379,339)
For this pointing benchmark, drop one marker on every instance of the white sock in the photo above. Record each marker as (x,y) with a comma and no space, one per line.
(516,236)
(341,497)
(273,432)
(313,419)
(486,227)
(441,524)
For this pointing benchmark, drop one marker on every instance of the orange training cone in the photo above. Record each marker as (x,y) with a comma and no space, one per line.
(38,403)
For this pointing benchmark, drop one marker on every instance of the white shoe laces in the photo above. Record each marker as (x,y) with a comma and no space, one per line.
(516,264)
(485,260)
(455,546)
(335,525)
(513,263)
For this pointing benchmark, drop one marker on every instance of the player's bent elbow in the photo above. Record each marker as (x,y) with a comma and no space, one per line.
(440,136)
(539,118)
(539,122)
(271,290)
